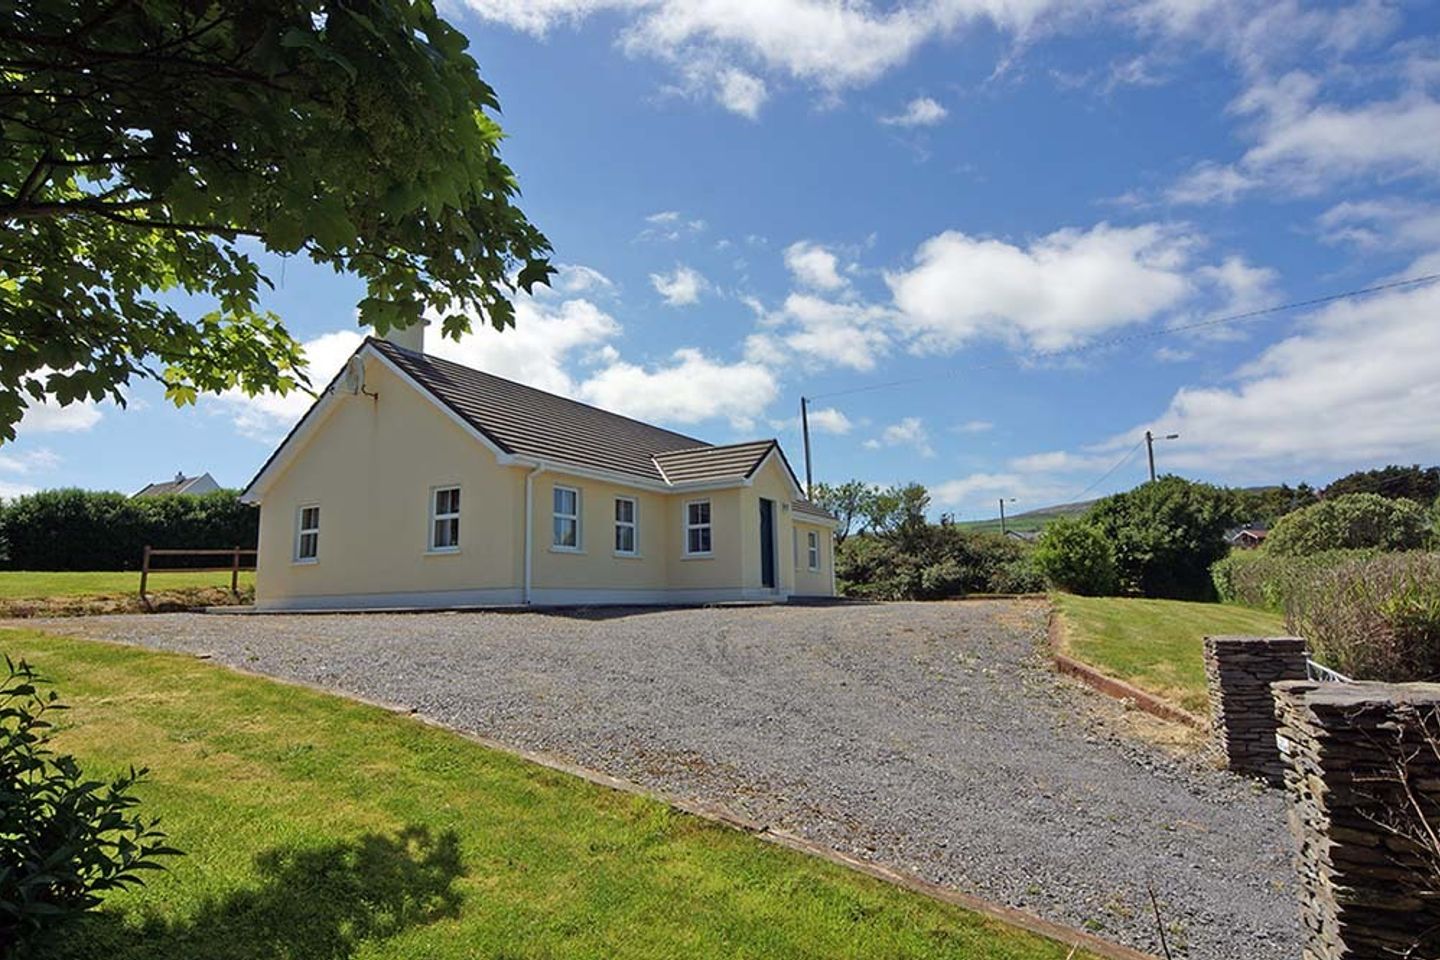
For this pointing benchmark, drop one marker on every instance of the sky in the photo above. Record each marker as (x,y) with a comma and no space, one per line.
(962,227)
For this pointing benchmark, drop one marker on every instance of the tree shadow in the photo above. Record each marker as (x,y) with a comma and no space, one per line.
(315,903)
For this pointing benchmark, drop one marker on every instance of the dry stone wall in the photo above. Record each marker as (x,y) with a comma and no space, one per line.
(1363,778)
(1239,671)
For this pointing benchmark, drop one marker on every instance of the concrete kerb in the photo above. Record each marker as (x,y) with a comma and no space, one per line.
(1110,686)
(720,814)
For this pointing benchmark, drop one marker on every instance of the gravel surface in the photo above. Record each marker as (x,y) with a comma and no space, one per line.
(930,737)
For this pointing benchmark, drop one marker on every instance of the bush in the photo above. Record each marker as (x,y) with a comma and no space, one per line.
(1074,555)
(1166,534)
(932,562)
(1259,578)
(64,840)
(88,530)
(1376,618)
(1354,521)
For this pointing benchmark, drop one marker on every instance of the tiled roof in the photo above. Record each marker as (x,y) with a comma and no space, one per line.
(708,464)
(813,509)
(532,423)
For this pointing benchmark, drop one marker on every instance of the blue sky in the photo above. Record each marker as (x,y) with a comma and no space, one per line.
(758,199)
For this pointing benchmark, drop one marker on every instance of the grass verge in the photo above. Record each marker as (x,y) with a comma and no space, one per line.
(318,827)
(1157,645)
(39,593)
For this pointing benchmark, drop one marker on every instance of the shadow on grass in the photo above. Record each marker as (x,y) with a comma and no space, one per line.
(316,903)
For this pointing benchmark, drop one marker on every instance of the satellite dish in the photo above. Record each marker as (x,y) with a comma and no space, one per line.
(354,380)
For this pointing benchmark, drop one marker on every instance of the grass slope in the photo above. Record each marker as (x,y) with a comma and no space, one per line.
(323,829)
(42,584)
(1156,644)
(1032,520)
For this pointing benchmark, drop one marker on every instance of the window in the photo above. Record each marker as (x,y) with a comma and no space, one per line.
(812,549)
(445,519)
(697,527)
(307,534)
(625,525)
(567,519)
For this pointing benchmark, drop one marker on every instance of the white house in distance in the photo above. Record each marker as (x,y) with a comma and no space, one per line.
(417,482)
(202,484)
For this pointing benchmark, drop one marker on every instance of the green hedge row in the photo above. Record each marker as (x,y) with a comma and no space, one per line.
(91,530)
(1259,578)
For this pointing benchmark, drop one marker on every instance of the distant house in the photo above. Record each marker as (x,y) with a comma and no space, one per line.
(1247,537)
(181,484)
(417,482)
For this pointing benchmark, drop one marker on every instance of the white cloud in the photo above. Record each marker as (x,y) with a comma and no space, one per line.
(909,432)
(830,420)
(667,226)
(741,92)
(25,464)
(1383,224)
(1058,291)
(1172,355)
(689,389)
(539,349)
(574,279)
(814,266)
(851,335)
(1304,144)
(50,417)
(680,287)
(920,112)
(974,426)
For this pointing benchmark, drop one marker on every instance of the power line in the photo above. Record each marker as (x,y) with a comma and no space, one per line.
(1145,334)
(1106,475)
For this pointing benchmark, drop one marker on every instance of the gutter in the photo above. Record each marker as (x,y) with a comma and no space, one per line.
(535,471)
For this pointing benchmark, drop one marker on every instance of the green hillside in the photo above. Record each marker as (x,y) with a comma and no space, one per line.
(1030,520)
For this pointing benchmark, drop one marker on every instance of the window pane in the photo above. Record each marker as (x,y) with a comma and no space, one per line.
(625,539)
(704,539)
(566,532)
(565,502)
(700,512)
(310,518)
(309,546)
(625,511)
(447,501)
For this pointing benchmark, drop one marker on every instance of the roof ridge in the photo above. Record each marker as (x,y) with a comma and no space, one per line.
(718,446)
(433,358)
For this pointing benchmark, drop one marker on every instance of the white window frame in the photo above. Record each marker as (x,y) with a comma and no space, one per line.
(555,514)
(436,516)
(812,550)
(633,525)
(302,531)
(708,527)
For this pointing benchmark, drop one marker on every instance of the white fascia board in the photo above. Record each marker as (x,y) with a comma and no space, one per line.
(622,479)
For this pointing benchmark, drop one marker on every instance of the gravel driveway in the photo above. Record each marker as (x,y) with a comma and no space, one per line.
(925,736)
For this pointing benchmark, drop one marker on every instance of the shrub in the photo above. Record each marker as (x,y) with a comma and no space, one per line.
(1166,534)
(1354,521)
(1074,555)
(1375,618)
(932,562)
(64,840)
(1259,578)
(89,530)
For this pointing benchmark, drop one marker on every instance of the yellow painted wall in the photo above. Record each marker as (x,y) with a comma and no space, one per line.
(813,583)
(372,464)
(371,467)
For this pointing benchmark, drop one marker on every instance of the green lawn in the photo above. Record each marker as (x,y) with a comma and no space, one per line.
(42,584)
(322,829)
(1156,644)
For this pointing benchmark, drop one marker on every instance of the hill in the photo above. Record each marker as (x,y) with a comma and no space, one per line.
(1030,520)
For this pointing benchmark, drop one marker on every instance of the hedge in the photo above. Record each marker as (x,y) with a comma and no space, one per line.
(1259,578)
(90,530)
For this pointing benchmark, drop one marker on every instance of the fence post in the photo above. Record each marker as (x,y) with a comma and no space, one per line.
(235,573)
(1239,671)
(144,575)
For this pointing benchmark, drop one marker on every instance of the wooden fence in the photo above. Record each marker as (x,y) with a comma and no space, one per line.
(234,567)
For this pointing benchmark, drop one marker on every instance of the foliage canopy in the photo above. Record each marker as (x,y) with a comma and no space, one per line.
(152,146)
(1352,521)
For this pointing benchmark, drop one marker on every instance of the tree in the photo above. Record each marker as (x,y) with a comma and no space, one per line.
(1353,521)
(149,146)
(1421,484)
(897,513)
(1074,555)
(1166,534)
(848,501)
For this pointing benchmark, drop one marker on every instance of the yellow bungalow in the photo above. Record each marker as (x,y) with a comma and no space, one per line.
(416,482)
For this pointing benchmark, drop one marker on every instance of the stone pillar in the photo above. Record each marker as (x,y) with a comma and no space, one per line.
(1368,861)
(1239,671)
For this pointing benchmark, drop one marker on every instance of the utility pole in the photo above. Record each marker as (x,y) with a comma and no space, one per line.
(805,431)
(1150,439)
(1002,514)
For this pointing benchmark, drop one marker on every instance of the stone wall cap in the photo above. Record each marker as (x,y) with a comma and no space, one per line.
(1242,638)
(1361,693)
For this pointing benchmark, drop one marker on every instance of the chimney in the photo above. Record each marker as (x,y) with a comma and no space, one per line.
(410,338)
(179,476)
